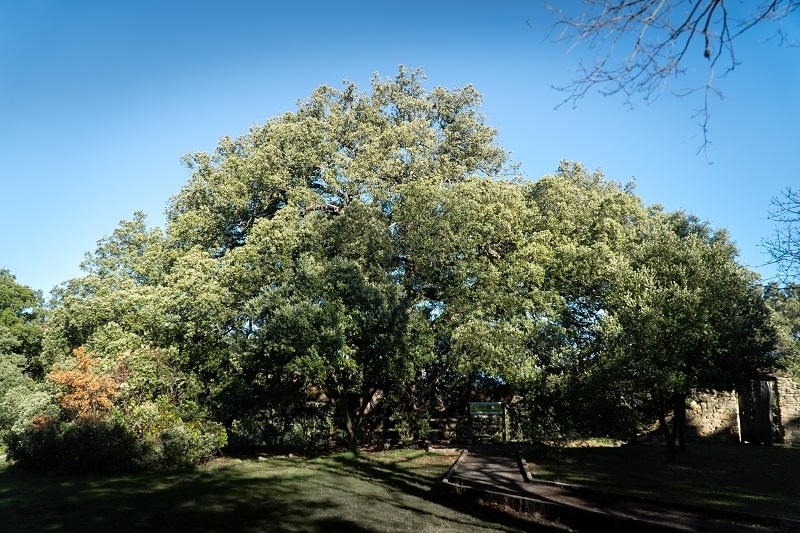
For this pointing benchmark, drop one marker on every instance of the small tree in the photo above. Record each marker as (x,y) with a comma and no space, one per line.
(785,304)
(690,319)
(89,394)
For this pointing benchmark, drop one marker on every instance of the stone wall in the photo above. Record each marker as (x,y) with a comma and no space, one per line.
(788,415)
(716,415)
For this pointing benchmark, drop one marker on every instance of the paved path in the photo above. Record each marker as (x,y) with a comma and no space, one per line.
(499,473)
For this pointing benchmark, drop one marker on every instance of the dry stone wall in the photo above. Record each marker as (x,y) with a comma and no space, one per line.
(716,415)
(788,393)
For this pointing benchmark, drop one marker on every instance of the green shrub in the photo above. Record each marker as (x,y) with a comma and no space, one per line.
(285,423)
(75,447)
(169,440)
(183,445)
(108,446)
(21,404)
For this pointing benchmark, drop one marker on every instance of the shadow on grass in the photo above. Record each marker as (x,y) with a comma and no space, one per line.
(333,493)
(728,476)
(426,486)
(188,502)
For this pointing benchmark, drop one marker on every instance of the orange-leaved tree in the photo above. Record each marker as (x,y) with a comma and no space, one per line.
(89,394)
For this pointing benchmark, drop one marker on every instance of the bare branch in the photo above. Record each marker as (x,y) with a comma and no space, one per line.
(642,45)
(784,246)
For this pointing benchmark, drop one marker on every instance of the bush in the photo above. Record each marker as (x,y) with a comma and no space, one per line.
(283,423)
(141,415)
(20,405)
(167,439)
(183,445)
(76,447)
(107,446)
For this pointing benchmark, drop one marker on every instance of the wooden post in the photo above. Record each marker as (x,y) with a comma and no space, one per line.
(504,423)
(469,423)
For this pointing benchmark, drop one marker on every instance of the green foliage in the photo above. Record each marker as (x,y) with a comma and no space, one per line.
(20,346)
(687,317)
(74,447)
(372,253)
(20,323)
(295,422)
(23,403)
(588,225)
(158,404)
(12,373)
(151,421)
(179,444)
(785,304)
(304,218)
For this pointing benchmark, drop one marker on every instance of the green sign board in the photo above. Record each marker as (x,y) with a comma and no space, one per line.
(486,408)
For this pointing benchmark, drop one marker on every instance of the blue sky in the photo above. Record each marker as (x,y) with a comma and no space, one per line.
(99,100)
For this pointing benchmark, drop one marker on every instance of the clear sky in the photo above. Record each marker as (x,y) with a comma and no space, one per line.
(99,100)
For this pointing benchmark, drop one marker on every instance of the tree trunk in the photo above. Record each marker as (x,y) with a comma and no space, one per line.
(669,436)
(352,431)
(353,424)
(354,444)
(679,421)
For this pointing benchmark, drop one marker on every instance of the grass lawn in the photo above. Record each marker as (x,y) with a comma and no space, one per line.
(392,491)
(746,478)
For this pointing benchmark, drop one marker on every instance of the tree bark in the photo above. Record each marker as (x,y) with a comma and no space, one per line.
(679,421)
(352,424)
(352,432)
(669,436)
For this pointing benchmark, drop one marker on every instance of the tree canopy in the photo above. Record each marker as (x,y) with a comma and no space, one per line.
(371,260)
(20,313)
